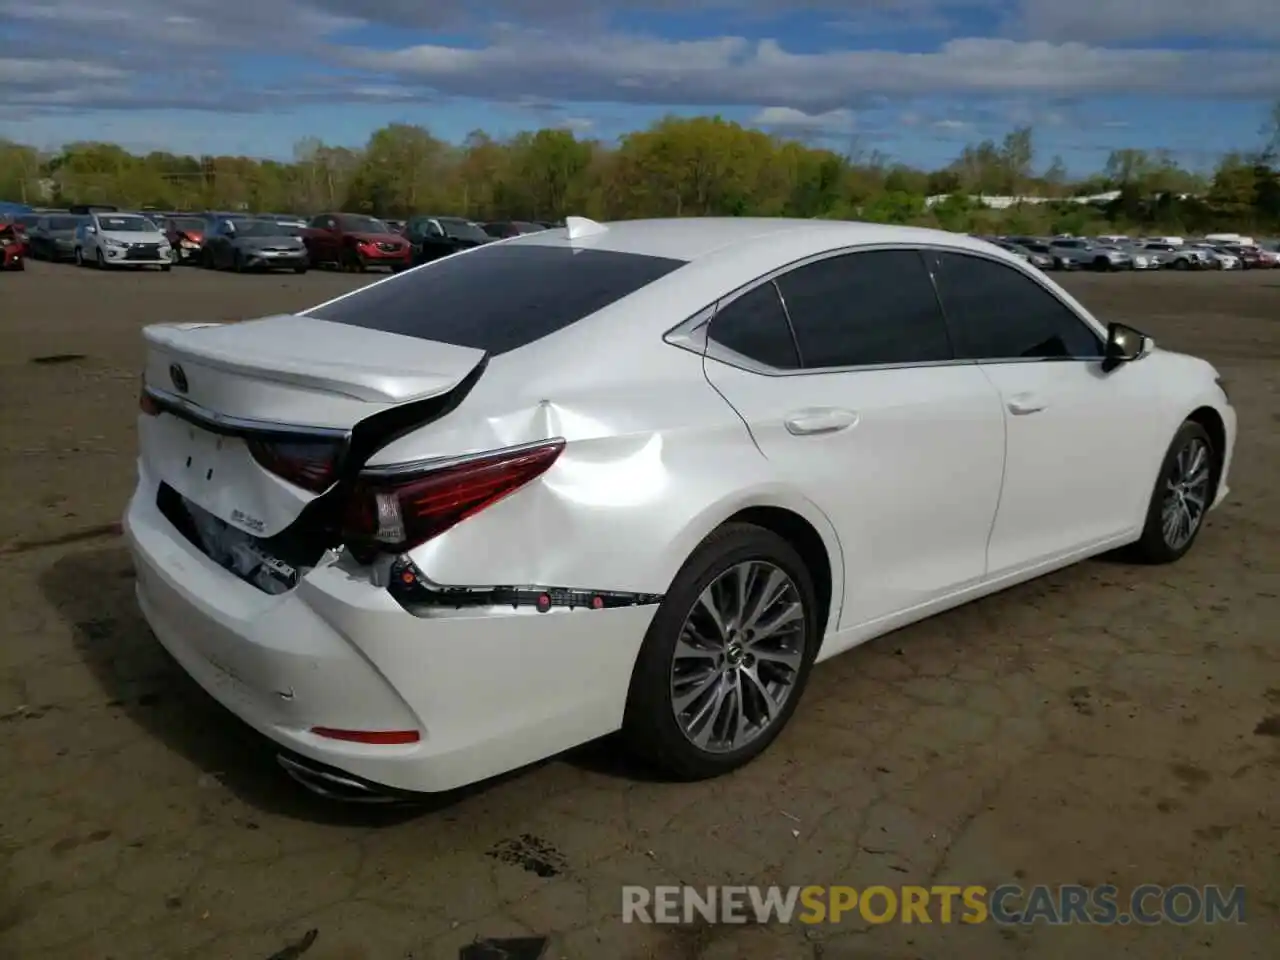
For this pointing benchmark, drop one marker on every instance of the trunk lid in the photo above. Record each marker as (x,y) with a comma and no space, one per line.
(289,383)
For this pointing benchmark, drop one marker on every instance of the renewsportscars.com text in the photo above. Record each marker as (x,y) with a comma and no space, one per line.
(1009,904)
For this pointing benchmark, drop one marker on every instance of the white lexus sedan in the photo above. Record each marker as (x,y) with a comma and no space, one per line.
(636,476)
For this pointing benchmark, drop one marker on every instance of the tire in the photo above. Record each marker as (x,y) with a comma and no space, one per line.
(1102,265)
(650,727)
(237,262)
(78,258)
(166,267)
(99,260)
(351,262)
(300,270)
(20,265)
(1156,546)
(1181,264)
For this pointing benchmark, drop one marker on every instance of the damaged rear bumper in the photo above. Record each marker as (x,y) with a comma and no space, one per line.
(486,691)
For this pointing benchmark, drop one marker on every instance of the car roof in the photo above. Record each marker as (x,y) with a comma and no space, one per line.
(692,238)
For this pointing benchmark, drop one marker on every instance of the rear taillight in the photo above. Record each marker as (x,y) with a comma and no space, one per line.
(147,403)
(309,464)
(395,513)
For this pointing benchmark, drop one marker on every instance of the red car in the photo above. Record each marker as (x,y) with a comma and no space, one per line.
(13,247)
(185,235)
(355,242)
(1254,257)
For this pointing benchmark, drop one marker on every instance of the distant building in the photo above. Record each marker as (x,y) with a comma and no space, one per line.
(1004,203)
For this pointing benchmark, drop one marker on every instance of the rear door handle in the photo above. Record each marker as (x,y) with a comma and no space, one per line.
(1020,404)
(816,420)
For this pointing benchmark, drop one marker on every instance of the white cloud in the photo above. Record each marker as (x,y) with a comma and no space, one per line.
(94,54)
(734,70)
(579,125)
(791,120)
(25,71)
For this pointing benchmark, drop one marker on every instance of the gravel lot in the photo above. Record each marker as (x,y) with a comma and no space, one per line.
(1106,723)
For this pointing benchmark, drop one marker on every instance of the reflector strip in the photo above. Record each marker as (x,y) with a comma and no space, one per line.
(379,737)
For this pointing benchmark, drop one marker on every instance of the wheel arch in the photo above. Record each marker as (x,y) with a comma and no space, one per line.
(798,521)
(1211,421)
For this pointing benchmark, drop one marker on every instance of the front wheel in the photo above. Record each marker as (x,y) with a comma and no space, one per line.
(1182,496)
(78,256)
(300,270)
(727,656)
(100,259)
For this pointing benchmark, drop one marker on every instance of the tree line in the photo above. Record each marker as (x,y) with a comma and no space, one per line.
(677,167)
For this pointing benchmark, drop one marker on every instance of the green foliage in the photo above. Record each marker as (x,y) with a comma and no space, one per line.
(677,167)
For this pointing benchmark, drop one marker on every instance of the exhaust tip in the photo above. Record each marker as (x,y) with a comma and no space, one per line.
(332,785)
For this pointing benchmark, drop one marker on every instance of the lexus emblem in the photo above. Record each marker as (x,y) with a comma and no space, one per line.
(179,377)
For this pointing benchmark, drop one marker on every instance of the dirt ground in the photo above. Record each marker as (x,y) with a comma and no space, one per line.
(1104,724)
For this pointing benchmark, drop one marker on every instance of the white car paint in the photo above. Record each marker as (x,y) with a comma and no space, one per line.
(925,485)
(120,247)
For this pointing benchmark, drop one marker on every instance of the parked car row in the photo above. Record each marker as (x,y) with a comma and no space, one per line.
(105,237)
(1224,252)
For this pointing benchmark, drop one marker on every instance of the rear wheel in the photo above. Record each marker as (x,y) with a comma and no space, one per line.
(1181,264)
(727,656)
(1182,496)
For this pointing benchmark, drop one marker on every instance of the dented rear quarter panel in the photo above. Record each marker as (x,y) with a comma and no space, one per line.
(656,459)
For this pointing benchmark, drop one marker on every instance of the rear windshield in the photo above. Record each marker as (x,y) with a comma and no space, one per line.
(498,298)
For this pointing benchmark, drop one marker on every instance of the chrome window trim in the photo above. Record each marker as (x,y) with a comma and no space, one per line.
(692,333)
(221,423)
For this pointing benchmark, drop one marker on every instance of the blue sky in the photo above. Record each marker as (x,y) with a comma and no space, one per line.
(913,79)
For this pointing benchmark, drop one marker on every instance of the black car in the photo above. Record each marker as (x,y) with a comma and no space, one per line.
(53,237)
(500,229)
(434,237)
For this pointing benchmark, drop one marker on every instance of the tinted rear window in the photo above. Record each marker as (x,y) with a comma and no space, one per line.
(498,298)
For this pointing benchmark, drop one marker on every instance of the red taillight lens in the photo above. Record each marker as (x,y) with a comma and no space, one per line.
(309,464)
(396,514)
(147,403)
(377,737)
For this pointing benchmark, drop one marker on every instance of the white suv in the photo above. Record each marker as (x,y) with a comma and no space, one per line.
(121,240)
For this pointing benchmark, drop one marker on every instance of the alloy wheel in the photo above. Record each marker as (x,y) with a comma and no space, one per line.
(1186,493)
(738,656)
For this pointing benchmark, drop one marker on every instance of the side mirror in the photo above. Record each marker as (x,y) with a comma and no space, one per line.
(90,229)
(1124,345)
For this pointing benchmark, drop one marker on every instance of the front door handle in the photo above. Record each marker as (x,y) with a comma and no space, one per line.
(1021,404)
(818,420)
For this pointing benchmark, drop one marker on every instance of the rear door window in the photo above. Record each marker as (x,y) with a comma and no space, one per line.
(865,309)
(498,297)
